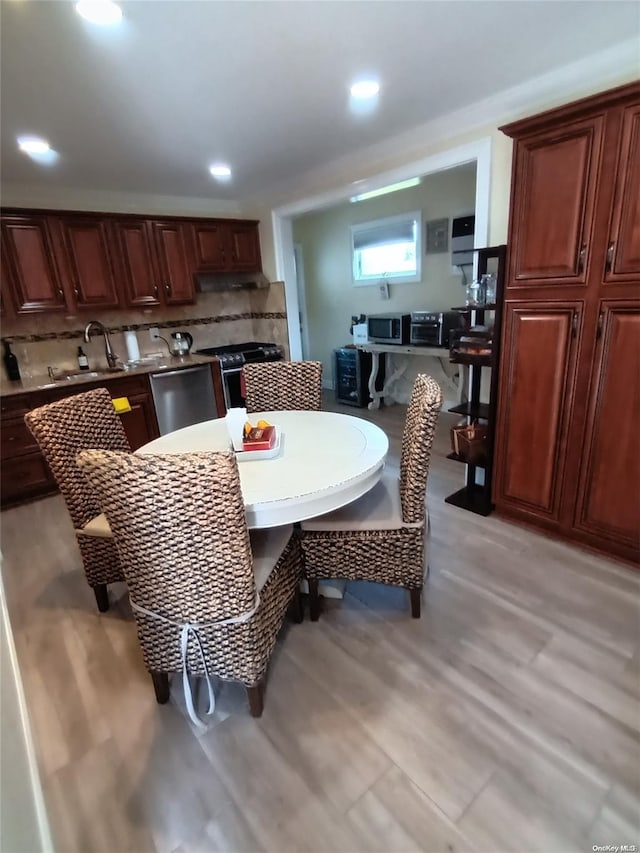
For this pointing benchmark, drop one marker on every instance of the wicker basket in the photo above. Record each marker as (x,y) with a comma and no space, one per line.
(470,442)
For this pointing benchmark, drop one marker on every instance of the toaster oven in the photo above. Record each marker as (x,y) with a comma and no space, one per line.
(433,328)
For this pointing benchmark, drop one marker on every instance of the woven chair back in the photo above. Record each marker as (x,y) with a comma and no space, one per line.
(61,429)
(179,525)
(283,385)
(417,439)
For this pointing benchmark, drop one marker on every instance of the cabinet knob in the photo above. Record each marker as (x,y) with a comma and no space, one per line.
(155,289)
(76,292)
(167,288)
(60,293)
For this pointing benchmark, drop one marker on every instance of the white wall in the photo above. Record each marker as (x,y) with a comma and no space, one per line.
(325,238)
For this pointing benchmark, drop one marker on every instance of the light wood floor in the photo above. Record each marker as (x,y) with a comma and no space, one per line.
(506,719)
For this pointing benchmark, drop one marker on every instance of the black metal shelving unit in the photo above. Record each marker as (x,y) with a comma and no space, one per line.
(475,496)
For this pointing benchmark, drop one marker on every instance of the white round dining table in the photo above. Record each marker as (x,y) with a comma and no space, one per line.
(325,461)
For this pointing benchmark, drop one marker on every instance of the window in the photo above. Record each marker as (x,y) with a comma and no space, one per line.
(387,248)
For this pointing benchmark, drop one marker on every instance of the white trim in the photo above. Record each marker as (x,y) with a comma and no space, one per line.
(478,151)
(12,673)
(302,299)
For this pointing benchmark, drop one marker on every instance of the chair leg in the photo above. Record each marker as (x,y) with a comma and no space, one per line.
(314,599)
(102,597)
(161,686)
(296,610)
(255,694)
(415,595)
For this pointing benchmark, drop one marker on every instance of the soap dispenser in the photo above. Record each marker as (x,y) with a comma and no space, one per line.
(83,361)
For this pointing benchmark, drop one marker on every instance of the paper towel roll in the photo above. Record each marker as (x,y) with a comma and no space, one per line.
(131,341)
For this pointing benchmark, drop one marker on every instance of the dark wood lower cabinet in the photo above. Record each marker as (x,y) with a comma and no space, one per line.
(568,452)
(538,384)
(24,478)
(25,474)
(608,503)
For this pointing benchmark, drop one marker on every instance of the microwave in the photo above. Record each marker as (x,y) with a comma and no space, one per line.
(433,328)
(388,328)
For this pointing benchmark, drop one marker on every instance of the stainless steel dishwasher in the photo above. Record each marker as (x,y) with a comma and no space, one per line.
(183,397)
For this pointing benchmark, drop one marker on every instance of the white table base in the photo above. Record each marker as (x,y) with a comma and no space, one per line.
(401,356)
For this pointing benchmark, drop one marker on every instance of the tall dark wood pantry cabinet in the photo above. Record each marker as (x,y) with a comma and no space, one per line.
(567,438)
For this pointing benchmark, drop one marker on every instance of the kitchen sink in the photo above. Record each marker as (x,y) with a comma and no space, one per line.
(77,375)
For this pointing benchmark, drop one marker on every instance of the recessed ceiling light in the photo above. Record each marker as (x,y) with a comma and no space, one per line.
(103,12)
(219,170)
(33,145)
(365,89)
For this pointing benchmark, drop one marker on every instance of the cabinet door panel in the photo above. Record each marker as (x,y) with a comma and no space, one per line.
(24,477)
(139,277)
(33,272)
(609,487)
(87,247)
(211,245)
(245,247)
(537,379)
(139,424)
(174,262)
(555,185)
(623,256)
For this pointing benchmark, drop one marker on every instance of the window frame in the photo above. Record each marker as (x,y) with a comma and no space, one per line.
(414,216)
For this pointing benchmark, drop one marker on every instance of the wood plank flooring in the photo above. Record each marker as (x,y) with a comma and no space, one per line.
(506,719)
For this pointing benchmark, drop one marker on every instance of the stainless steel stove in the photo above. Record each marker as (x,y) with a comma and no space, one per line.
(232,359)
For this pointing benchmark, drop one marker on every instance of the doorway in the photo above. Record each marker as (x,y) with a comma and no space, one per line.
(478,151)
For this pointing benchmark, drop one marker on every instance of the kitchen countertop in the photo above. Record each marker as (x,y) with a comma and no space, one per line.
(43,382)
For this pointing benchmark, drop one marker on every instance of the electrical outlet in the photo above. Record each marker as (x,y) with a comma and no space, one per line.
(154,333)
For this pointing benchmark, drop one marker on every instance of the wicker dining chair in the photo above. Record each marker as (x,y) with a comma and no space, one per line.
(382,537)
(61,429)
(283,385)
(208,598)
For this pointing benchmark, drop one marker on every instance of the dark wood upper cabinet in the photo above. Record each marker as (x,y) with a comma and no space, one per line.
(622,263)
(32,274)
(553,204)
(87,256)
(211,246)
(245,247)
(67,260)
(174,261)
(538,384)
(609,488)
(227,246)
(138,276)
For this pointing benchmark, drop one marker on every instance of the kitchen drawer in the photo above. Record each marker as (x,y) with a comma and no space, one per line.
(16,440)
(16,404)
(24,477)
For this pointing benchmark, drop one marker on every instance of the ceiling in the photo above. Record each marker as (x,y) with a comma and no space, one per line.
(146,106)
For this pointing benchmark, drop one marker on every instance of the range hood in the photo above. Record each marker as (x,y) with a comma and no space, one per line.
(217,282)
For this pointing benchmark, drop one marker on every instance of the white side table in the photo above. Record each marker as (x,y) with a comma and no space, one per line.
(401,354)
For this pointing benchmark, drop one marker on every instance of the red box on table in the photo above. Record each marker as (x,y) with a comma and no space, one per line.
(260,438)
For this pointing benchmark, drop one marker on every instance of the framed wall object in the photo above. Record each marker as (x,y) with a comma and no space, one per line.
(437,236)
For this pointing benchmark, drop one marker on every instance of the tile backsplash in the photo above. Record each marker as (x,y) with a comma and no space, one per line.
(43,340)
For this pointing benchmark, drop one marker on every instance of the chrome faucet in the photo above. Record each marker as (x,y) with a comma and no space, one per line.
(112,358)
